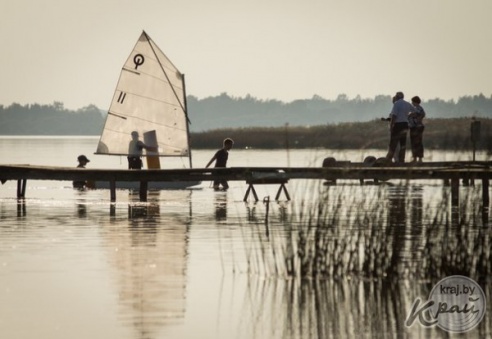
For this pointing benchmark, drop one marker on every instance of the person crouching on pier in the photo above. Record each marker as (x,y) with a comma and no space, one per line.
(220,159)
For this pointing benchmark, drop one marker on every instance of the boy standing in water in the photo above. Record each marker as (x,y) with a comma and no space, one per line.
(220,159)
(82,159)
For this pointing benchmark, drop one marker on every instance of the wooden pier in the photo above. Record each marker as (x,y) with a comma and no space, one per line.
(450,172)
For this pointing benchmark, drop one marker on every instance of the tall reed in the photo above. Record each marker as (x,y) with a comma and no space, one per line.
(377,232)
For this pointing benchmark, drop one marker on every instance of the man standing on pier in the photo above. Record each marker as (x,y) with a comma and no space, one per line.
(135,152)
(399,126)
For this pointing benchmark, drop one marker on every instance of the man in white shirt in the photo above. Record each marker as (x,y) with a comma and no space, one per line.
(399,126)
(135,152)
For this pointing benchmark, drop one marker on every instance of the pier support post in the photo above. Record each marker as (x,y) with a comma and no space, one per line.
(250,189)
(112,209)
(455,191)
(21,188)
(485,192)
(282,187)
(112,188)
(21,208)
(143,190)
(268,181)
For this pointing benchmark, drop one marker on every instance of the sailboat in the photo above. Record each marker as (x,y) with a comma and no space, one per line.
(149,101)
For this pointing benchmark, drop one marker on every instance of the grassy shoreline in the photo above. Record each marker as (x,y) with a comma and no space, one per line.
(439,134)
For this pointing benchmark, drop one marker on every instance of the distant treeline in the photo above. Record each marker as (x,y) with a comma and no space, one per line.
(453,134)
(50,120)
(224,111)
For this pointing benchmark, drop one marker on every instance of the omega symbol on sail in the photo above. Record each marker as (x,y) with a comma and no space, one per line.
(138,60)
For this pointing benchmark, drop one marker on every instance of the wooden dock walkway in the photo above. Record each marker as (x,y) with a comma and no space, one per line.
(452,172)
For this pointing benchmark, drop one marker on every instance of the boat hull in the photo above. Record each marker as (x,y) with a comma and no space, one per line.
(152,185)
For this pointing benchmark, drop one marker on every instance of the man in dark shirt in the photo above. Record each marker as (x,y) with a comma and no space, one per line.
(220,159)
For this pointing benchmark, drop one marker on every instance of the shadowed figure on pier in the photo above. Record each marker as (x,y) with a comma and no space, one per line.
(220,158)
(135,152)
(416,126)
(399,127)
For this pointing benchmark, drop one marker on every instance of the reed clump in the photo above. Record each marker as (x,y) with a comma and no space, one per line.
(386,231)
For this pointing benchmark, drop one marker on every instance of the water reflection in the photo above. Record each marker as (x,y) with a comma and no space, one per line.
(405,225)
(220,206)
(353,264)
(21,208)
(149,254)
(387,231)
(327,308)
(348,266)
(457,240)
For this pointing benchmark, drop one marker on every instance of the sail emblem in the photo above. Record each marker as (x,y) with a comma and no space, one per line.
(138,60)
(122,97)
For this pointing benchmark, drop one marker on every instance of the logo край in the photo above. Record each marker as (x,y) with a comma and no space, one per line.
(456,304)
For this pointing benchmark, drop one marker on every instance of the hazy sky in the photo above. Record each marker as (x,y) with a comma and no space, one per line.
(72,51)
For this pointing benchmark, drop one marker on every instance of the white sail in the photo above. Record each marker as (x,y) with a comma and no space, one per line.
(149,98)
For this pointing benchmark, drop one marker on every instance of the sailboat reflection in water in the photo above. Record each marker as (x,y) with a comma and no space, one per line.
(148,254)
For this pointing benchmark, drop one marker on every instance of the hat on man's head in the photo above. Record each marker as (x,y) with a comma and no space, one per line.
(82,158)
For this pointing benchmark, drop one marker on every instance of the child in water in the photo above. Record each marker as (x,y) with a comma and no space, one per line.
(220,159)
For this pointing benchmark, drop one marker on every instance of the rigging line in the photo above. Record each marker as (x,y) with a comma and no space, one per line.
(151,76)
(187,119)
(152,99)
(117,115)
(145,120)
(163,70)
(159,142)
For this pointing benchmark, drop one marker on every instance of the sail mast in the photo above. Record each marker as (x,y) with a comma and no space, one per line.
(164,71)
(182,104)
(187,120)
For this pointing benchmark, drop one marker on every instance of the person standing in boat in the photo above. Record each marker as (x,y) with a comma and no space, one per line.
(135,152)
(399,127)
(416,126)
(220,159)
(82,159)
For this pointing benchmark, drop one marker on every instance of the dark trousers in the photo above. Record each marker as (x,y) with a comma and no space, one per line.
(222,182)
(398,136)
(134,163)
(416,134)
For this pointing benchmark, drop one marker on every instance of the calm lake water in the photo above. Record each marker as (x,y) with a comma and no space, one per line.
(202,264)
